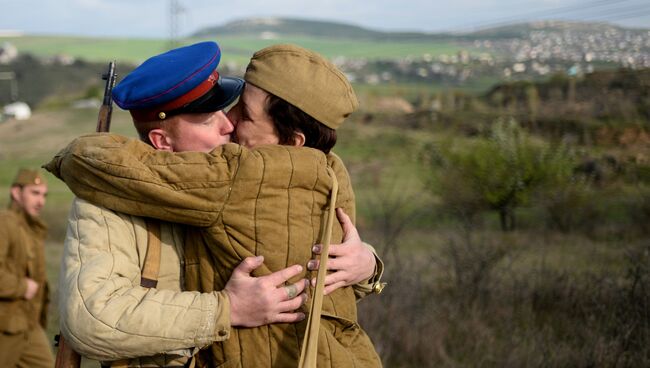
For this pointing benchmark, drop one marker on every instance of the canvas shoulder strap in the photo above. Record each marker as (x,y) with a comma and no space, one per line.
(68,358)
(309,351)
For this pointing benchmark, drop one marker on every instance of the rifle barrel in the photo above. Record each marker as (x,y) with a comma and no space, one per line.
(106,110)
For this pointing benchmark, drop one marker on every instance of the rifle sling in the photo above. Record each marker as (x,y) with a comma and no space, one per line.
(309,351)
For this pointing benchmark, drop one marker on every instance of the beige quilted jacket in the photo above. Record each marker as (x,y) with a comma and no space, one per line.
(106,315)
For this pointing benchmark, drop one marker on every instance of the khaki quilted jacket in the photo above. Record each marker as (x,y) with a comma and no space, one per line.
(21,255)
(268,201)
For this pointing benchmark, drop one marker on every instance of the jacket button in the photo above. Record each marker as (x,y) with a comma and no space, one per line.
(378,287)
(222,333)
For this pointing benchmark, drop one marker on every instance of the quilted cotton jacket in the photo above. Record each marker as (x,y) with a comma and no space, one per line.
(269,201)
(106,315)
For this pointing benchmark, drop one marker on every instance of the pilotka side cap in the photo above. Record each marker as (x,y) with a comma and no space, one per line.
(306,80)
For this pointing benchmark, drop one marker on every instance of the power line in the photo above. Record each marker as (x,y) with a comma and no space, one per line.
(613,14)
(610,9)
(577,7)
(630,15)
(175,10)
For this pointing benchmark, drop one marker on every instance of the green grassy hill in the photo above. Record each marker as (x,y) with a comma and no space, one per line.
(315,28)
(236,48)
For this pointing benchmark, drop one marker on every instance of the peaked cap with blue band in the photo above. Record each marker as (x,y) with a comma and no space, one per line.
(182,80)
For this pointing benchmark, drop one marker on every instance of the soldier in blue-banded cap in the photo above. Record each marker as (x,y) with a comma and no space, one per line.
(176,100)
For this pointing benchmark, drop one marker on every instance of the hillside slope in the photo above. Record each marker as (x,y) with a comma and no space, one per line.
(273,27)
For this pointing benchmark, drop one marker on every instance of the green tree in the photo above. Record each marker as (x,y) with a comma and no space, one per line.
(502,171)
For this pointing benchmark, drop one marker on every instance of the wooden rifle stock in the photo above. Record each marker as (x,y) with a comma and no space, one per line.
(65,356)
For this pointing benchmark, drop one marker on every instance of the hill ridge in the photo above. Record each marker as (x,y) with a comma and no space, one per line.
(270,27)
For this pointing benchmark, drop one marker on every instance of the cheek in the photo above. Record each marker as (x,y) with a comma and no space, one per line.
(32,200)
(242,130)
(232,116)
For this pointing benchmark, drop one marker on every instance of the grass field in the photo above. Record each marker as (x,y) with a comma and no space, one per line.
(456,298)
(235,49)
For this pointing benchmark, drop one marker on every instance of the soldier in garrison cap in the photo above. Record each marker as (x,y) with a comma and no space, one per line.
(23,284)
(176,101)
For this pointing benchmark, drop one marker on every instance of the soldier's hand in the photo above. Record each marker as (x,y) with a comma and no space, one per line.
(349,262)
(257,301)
(32,289)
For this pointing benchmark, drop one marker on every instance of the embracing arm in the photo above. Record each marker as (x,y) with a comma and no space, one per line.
(128,176)
(107,315)
(352,262)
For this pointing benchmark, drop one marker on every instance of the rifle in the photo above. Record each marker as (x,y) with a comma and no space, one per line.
(65,356)
(106,110)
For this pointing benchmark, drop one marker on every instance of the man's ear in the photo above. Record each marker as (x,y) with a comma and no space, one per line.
(299,139)
(160,139)
(15,193)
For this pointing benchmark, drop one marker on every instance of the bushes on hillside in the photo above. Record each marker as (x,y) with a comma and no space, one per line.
(501,172)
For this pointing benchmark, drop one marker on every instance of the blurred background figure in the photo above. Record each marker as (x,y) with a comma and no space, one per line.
(23,284)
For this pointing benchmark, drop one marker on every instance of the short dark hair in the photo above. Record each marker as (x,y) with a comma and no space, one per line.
(289,120)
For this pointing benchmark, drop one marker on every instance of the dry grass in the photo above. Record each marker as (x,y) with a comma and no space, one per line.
(479,303)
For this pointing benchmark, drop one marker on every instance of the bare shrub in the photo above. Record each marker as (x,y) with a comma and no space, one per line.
(570,206)
(639,211)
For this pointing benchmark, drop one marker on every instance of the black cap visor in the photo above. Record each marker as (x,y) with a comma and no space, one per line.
(218,98)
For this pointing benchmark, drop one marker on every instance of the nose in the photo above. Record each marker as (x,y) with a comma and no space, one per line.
(225,126)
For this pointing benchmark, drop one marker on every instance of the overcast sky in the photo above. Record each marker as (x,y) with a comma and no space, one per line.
(150,18)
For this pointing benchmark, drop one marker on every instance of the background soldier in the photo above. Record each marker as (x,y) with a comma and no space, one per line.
(23,287)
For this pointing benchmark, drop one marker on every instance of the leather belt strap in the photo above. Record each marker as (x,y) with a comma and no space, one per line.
(309,351)
(124,363)
(151,268)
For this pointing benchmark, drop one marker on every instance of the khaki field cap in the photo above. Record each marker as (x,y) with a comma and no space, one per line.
(28,177)
(304,79)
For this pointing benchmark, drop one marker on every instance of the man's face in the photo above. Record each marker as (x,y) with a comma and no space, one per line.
(200,132)
(30,197)
(253,125)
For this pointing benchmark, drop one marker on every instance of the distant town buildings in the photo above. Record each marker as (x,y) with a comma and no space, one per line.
(547,48)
